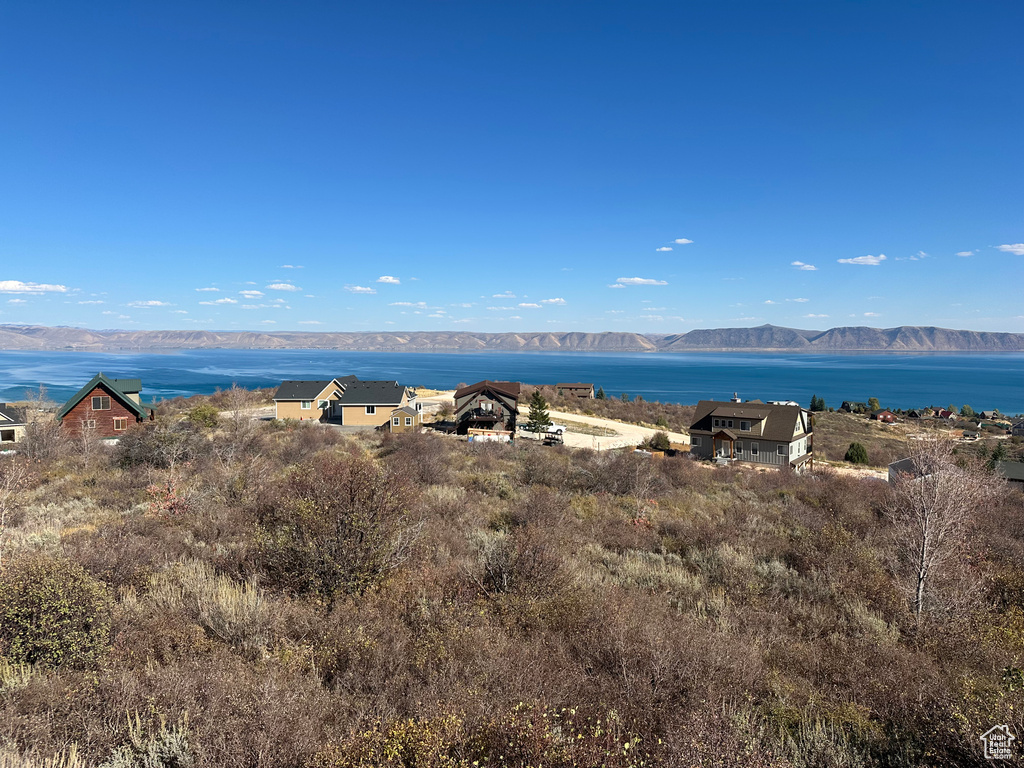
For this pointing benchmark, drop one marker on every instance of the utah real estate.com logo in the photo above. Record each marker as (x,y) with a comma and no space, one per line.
(998,743)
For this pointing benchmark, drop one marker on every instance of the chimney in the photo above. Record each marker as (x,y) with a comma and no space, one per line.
(736,398)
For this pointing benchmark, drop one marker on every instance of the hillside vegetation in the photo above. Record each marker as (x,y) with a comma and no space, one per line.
(232,593)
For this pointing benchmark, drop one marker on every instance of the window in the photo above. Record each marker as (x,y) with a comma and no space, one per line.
(120,424)
(718,423)
(371,409)
(753,449)
(696,441)
(305,404)
(730,423)
(408,421)
(419,406)
(89,424)
(101,403)
(739,447)
(745,426)
(322,404)
(397,421)
(783,451)
(7,436)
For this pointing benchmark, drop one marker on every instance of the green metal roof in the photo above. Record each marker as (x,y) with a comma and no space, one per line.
(100,380)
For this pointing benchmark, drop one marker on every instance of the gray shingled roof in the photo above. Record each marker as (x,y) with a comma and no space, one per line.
(508,388)
(300,390)
(16,416)
(779,420)
(1011,470)
(373,393)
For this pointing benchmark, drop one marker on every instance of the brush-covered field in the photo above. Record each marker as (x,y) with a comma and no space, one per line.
(223,592)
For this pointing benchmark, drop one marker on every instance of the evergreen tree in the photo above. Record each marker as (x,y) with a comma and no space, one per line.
(873,404)
(856,454)
(967,412)
(600,394)
(539,420)
(817,403)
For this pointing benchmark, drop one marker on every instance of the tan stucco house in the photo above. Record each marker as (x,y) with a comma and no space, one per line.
(370,403)
(307,400)
(12,425)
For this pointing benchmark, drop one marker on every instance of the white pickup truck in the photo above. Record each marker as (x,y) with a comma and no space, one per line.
(557,429)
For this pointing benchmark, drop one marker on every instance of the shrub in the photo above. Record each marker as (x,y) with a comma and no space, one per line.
(659,442)
(856,454)
(52,613)
(336,525)
(204,415)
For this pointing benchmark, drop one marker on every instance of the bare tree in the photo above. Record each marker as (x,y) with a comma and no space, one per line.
(932,508)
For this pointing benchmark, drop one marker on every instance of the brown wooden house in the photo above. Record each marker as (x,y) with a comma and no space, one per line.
(584,391)
(105,407)
(490,405)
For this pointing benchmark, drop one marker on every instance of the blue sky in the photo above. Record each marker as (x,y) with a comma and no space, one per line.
(499,166)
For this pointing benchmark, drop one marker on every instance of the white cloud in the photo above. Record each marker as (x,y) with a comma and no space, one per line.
(559,302)
(290,266)
(530,306)
(769,301)
(268,322)
(682,241)
(813,315)
(871,314)
(657,318)
(804,267)
(17,301)
(178,312)
(505,295)
(283,287)
(251,294)
(412,304)
(211,290)
(869,261)
(93,301)
(965,253)
(464,320)
(615,311)
(17,286)
(515,317)
(616,285)
(500,309)
(437,314)
(360,289)
(219,301)
(640,281)
(389,280)
(310,322)
(664,248)
(463,306)
(799,301)
(1017,249)
(150,303)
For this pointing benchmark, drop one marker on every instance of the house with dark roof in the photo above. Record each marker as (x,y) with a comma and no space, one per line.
(755,432)
(370,403)
(1011,470)
(990,415)
(580,390)
(1017,428)
(884,415)
(306,400)
(490,405)
(105,407)
(12,425)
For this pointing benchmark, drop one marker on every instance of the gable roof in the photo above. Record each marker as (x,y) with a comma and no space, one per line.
(779,421)
(11,416)
(373,393)
(1011,470)
(575,386)
(408,410)
(301,390)
(346,380)
(506,388)
(99,380)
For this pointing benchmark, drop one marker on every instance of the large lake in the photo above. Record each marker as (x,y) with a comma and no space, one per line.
(898,381)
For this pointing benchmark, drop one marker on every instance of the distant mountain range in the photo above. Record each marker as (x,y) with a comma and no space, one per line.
(768,338)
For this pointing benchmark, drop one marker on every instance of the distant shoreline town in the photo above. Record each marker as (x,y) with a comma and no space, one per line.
(765,338)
